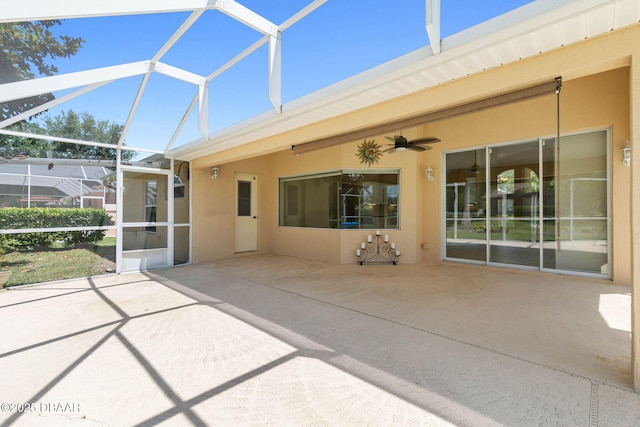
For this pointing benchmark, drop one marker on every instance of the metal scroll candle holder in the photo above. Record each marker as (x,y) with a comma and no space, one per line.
(377,251)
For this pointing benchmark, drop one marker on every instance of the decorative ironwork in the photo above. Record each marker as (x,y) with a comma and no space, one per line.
(369,152)
(377,251)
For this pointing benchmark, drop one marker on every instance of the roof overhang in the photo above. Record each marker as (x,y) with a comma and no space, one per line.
(538,27)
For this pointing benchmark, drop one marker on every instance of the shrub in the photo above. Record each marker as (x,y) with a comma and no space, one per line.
(30,218)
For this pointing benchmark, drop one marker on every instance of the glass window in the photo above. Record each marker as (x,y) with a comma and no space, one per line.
(244,198)
(359,199)
(178,187)
(179,179)
(151,203)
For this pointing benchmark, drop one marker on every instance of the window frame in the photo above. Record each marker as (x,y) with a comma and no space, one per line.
(541,211)
(150,210)
(340,174)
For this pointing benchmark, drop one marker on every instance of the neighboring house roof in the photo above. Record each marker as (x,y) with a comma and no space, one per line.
(538,27)
(63,178)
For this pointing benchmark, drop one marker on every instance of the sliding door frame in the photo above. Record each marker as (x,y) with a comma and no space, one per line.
(540,214)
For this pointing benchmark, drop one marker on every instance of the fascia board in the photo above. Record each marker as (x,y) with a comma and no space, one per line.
(526,19)
(201,146)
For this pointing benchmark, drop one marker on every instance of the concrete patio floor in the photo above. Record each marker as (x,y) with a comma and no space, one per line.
(273,340)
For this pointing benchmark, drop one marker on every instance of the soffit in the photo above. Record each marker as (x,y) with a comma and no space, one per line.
(535,28)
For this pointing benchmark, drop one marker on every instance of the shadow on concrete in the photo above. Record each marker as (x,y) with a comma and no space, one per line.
(264,338)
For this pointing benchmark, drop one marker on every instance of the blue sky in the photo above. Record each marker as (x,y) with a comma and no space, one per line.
(338,40)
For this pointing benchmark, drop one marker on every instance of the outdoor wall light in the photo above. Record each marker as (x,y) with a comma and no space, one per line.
(626,154)
(214,172)
(429,173)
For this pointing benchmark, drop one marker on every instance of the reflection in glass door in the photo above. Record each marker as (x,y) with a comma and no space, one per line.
(515,221)
(576,231)
(466,218)
(531,192)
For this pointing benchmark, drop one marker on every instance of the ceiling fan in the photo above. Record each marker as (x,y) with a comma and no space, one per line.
(400,143)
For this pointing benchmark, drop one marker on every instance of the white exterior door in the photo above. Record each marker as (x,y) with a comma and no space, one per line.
(246,213)
(145,214)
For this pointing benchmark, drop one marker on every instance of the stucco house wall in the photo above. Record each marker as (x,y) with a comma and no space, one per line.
(597,93)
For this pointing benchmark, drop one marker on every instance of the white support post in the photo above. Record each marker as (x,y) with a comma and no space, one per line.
(28,10)
(76,141)
(119,210)
(203,110)
(635,217)
(238,58)
(182,122)
(34,87)
(275,73)
(47,105)
(170,216)
(132,112)
(301,14)
(176,36)
(433,25)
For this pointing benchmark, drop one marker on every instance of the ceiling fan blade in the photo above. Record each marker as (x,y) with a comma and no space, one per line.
(389,150)
(417,148)
(428,140)
(390,139)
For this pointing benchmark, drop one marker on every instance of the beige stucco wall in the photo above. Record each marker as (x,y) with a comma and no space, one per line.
(599,101)
(595,95)
(213,217)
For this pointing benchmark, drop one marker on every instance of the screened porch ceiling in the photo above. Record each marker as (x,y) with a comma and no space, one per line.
(537,27)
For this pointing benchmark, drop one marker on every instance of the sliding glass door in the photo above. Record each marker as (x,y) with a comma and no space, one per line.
(466,205)
(503,200)
(514,188)
(576,231)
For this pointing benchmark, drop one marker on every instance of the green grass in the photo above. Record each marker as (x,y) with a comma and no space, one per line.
(521,230)
(58,262)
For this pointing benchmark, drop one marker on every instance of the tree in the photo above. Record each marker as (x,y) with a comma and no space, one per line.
(66,125)
(25,46)
(12,146)
(84,127)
